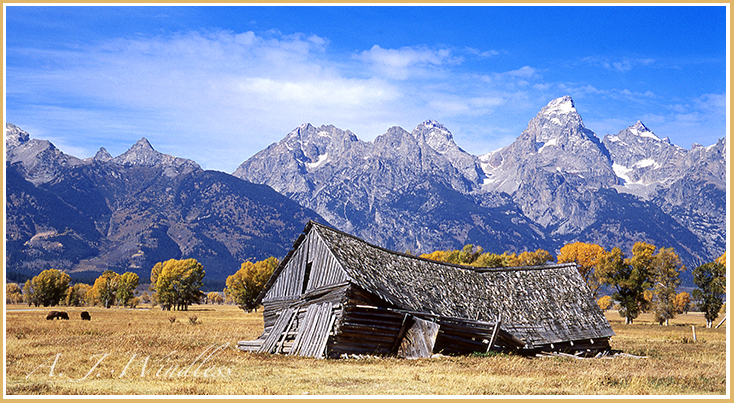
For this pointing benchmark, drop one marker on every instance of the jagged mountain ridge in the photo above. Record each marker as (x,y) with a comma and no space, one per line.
(415,191)
(131,211)
(558,179)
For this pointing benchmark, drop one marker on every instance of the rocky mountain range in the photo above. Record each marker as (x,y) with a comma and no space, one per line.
(412,191)
(556,183)
(128,212)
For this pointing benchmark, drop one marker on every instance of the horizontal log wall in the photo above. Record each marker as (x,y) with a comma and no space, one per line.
(364,328)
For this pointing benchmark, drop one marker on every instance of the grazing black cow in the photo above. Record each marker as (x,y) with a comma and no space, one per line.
(57,315)
(86,316)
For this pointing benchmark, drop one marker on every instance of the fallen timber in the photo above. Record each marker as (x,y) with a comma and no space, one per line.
(335,295)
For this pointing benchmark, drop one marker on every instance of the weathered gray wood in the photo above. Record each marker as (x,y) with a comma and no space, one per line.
(311,338)
(277,332)
(407,321)
(546,306)
(286,332)
(494,335)
(419,339)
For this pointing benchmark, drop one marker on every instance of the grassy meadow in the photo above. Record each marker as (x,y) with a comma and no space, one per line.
(151,352)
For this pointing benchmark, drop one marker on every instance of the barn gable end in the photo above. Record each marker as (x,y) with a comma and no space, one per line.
(336,294)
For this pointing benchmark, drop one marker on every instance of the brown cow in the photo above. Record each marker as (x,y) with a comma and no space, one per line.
(86,315)
(57,315)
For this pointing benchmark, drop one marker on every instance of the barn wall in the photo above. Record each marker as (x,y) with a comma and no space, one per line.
(324,271)
(297,301)
(365,326)
(290,280)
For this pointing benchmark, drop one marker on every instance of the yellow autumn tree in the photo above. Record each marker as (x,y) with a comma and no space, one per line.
(494,260)
(47,288)
(527,258)
(104,290)
(245,285)
(214,298)
(586,256)
(128,282)
(721,259)
(177,283)
(605,302)
(682,302)
(438,256)
(665,270)
(77,294)
(13,293)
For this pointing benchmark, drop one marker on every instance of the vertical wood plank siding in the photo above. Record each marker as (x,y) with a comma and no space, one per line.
(541,305)
(363,299)
(326,270)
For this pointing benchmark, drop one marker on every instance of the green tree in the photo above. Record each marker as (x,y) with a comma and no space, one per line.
(628,281)
(710,278)
(665,270)
(469,254)
(491,260)
(47,288)
(127,284)
(245,285)
(177,283)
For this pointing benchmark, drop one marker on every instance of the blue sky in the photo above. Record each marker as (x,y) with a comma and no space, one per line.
(217,84)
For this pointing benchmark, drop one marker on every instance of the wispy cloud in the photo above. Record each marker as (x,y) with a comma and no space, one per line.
(406,62)
(621,65)
(221,83)
(237,92)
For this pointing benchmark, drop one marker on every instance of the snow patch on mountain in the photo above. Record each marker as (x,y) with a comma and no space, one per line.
(323,158)
(560,106)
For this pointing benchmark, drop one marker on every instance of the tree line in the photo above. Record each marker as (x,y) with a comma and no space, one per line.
(175,284)
(645,281)
(52,287)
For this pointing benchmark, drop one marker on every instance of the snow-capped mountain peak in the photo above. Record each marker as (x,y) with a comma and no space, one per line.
(639,129)
(15,136)
(559,106)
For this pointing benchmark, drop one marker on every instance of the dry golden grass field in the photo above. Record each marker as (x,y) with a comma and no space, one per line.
(144,352)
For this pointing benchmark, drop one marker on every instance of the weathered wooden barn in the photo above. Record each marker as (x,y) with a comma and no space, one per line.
(336,294)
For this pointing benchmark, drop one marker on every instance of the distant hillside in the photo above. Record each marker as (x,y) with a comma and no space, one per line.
(129,212)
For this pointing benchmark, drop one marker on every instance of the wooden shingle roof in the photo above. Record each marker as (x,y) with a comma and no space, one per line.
(541,305)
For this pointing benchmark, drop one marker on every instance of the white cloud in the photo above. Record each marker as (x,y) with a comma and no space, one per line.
(218,97)
(479,54)
(406,62)
(622,65)
(216,84)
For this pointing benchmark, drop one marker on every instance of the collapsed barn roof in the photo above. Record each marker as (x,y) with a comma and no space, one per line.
(539,305)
